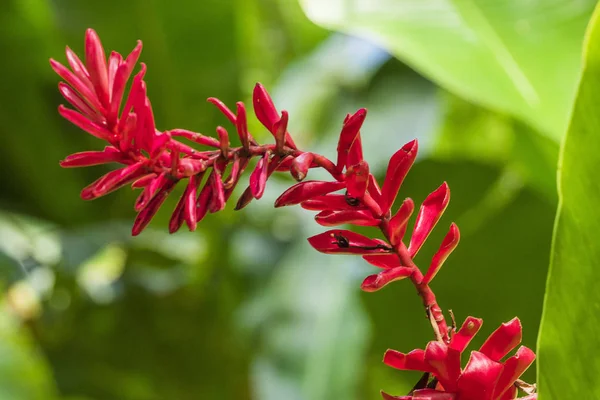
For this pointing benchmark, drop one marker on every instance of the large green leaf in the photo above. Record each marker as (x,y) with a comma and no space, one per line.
(474,133)
(569,342)
(521,57)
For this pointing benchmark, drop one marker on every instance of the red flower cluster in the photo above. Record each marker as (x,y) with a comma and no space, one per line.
(485,377)
(155,162)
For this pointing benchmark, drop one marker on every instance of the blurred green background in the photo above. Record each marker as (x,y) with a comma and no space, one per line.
(244,308)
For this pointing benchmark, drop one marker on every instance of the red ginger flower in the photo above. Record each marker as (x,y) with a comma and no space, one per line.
(485,376)
(153,160)
(365,204)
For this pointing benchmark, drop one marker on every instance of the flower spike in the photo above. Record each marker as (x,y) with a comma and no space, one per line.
(155,161)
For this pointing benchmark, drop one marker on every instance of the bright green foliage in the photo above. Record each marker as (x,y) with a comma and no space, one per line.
(520,57)
(568,346)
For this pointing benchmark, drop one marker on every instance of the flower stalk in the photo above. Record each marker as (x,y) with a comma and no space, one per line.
(156,161)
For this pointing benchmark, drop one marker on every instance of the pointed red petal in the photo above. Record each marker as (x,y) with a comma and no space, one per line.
(429,214)
(375,282)
(150,191)
(461,339)
(217,201)
(263,107)
(143,181)
(95,59)
(397,169)
(355,155)
(333,202)
(189,201)
(349,133)
(383,260)
(79,103)
(503,340)
(374,190)
(399,222)
(445,362)
(357,179)
(143,218)
(258,178)
(280,129)
(286,164)
(306,190)
(300,165)
(134,93)
(413,361)
(177,217)
(203,201)
(244,199)
(479,377)
(113,180)
(339,241)
(80,86)
(224,109)
(333,218)
(514,367)
(83,123)
(88,158)
(114,60)
(78,68)
(122,75)
(448,245)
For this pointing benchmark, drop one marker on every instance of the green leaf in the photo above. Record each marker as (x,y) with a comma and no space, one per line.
(569,341)
(474,133)
(24,373)
(515,56)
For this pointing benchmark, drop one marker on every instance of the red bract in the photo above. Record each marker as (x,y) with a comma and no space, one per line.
(485,377)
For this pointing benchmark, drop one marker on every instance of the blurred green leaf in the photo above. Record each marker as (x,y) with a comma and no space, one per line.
(515,56)
(24,373)
(313,328)
(474,133)
(569,341)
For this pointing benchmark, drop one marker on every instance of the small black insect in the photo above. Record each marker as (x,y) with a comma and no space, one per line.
(352,201)
(343,243)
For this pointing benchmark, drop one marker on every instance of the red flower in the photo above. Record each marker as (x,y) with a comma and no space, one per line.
(365,204)
(485,376)
(153,160)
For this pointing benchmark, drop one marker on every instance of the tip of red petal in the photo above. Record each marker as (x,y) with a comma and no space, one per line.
(441,195)
(370,284)
(514,325)
(411,146)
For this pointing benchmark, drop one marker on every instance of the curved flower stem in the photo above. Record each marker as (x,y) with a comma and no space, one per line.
(432,308)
